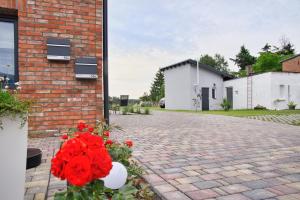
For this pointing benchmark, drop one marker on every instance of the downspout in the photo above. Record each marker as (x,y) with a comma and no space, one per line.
(105,63)
(198,78)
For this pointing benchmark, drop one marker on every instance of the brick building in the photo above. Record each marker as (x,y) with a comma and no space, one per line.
(60,99)
(292,64)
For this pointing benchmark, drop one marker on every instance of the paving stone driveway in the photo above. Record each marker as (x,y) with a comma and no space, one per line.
(192,156)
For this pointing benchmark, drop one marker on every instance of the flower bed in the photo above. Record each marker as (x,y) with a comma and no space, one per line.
(97,167)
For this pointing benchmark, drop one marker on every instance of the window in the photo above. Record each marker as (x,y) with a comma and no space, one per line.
(282,91)
(213,92)
(8,52)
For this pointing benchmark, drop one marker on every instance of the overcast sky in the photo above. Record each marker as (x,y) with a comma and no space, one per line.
(145,35)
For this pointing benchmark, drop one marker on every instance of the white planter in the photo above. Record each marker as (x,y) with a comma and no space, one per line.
(13,153)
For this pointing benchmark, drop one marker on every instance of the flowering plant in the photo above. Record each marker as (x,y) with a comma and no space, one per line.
(86,156)
(10,105)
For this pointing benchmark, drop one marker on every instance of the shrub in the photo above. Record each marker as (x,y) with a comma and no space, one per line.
(292,105)
(147,111)
(12,106)
(260,107)
(138,110)
(226,105)
(131,109)
(125,110)
(146,104)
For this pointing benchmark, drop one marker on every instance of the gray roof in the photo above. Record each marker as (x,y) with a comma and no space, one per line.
(295,56)
(203,66)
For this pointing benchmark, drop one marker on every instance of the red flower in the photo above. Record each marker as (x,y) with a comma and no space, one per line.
(106,133)
(109,142)
(57,166)
(91,129)
(78,171)
(81,125)
(64,137)
(129,143)
(92,141)
(82,159)
(101,163)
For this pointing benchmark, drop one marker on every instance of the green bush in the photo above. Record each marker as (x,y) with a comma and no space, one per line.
(292,105)
(226,105)
(138,110)
(259,107)
(147,104)
(12,106)
(147,111)
(131,109)
(125,110)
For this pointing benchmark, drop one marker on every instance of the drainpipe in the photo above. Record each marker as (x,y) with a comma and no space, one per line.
(198,81)
(105,63)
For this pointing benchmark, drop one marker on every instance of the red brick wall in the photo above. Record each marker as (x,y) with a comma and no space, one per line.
(13,4)
(59,99)
(292,65)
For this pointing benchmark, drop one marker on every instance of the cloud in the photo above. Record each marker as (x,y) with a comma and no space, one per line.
(145,35)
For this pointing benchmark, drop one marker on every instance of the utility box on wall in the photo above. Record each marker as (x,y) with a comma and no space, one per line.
(58,49)
(86,68)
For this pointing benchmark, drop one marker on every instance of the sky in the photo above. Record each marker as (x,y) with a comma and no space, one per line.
(145,35)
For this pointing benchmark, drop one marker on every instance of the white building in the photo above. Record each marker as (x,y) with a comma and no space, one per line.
(273,90)
(185,90)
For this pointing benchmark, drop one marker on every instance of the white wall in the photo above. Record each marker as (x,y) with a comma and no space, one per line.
(266,90)
(261,90)
(208,79)
(239,96)
(285,80)
(179,87)
(178,91)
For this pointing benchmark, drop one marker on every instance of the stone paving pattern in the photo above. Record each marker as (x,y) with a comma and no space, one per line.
(38,186)
(191,156)
(284,119)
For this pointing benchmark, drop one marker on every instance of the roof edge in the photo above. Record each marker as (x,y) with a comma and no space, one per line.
(201,65)
(295,56)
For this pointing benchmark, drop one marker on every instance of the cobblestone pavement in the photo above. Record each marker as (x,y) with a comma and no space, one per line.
(37,179)
(192,156)
(284,119)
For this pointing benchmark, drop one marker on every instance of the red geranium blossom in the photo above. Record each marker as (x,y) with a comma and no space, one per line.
(81,126)
(78,171)
(64,137)
(82,159)
(129,143)
(109,142)
(91,129)
(106,133)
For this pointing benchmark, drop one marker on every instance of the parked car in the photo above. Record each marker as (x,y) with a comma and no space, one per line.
(162,103)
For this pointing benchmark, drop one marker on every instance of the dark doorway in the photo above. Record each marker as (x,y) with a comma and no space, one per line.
(205,98)
(229,94)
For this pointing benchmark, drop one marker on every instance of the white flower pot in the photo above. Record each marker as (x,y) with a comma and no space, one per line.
(13,153)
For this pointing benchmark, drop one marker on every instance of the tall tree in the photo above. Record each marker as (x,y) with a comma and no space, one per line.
(266,48)
(243,58)
(267,61)
(157,90)
(208,60)
(218,61)
(221,63)
(286,47)
(145,97)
